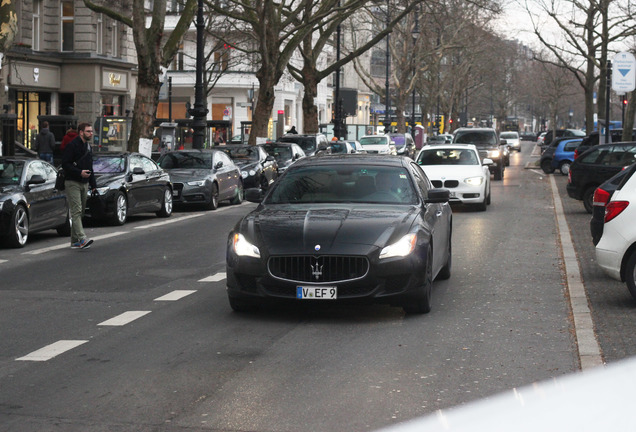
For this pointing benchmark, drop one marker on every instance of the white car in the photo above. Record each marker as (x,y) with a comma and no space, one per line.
(512,139)
(378,144)
(616,251)
(458,168)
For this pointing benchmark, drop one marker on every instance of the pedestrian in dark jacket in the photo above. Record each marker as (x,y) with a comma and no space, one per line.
(45,142)
(77,162)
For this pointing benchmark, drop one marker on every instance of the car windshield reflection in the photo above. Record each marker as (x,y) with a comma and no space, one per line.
(354,184)
(10,172)
(109,164)
(186,160)
(242,153)
(447,157)
(279,153)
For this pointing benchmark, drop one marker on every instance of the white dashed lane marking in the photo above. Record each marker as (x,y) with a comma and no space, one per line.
(175,295)
(214,278)
(124,318)
(67,245)
(50,351)
(169,221)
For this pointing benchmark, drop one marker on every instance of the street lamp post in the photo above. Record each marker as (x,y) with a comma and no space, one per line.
(200,110)
(337,119)
(415,33)
(387,111)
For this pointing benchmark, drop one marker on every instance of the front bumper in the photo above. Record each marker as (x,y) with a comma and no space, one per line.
(188,194)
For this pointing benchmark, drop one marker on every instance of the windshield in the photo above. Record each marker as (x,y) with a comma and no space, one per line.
(338,147)
(476,137)
(308,144)
(10,172)
(447,157)
(109,164)
(373,140)
(344,184)
(398,140)
(192,160)
(280,153)
(245,153)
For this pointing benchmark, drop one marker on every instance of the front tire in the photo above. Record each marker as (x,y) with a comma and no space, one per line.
(166,204)
(19,227)
(546,166)
(213,204)
(588,199)
(445,272)
(421,303)
(630,274)
(241,306)
(238,196)
(565,167)
(121,209)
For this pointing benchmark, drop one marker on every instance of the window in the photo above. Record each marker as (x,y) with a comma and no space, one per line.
(179,60)
(221,59)
(68,24)
(100,34)
(37,4)
(115,39)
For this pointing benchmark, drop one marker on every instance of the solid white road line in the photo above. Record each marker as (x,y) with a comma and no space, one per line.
(169,221)
(175,295)
(589,348)
(124,318)
(67,245)
(50,351)
(215,278)
(3,261)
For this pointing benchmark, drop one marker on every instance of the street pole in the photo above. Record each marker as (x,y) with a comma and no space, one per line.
(199,111)
(170,99)
(337,120)
(608,86)
(387,111)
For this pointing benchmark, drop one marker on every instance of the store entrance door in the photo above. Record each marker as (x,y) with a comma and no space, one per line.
(30,105)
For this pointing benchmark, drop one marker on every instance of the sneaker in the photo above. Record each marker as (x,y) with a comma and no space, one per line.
(76,245)
(85,243)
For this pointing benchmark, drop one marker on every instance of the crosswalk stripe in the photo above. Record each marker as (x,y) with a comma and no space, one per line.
(175,295)
(214,278)
(50,351)
(124,318)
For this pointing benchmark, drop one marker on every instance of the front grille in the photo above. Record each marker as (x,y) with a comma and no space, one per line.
(447,183)
(318,269)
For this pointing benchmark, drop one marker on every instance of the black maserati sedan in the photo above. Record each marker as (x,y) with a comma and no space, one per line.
(258,169)
(203,177)
(29,201)
(342,228)
(127,184)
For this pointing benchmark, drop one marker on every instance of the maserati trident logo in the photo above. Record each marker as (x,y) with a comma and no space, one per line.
(316,270)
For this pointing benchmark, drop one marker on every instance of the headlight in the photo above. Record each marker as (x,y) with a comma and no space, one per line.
(246,174)
(494,154)
(244,248)
(474,181)
(401,248)
(100,191)
(196,183)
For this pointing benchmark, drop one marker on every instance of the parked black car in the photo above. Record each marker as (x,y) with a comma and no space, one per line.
(203,177)
(258,169)
(285,153)
(602,196)
(309,143)
(404,144)
(596,166)
(127,184)
(342,228)
(595,138)
(29,201)
(488,144)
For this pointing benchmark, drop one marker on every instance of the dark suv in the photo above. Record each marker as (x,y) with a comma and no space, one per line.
(309,143)
(594,139)
(488,144)
(595,166)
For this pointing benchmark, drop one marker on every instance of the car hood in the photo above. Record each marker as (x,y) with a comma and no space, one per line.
(436,172)
(354,229)
(10,190)
(182,174)
(106,179)
(245,165)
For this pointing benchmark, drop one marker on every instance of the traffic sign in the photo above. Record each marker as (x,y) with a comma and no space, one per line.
(624,73)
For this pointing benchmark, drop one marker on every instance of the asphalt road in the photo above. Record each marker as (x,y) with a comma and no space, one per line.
(156,347)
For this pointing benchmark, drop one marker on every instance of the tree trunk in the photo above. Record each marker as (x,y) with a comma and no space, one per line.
(310,111)
(629,117)
(264,105)
(144,114)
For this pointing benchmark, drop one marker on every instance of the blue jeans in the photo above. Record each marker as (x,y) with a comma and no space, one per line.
(47,157)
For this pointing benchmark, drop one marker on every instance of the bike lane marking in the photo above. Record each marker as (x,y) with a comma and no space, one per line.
(587,343)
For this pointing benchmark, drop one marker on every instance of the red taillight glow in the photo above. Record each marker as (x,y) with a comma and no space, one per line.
(614,208)
(576,153)
(601,197)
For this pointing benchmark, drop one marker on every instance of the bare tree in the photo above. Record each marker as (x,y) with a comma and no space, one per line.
(154,49)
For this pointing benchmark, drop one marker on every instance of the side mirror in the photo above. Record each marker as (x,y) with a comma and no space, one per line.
(438,196)
(270,158)
(218,165)
(36,179)
(138,171)
(254,195)
(322,147)
(487,162)
(503,142)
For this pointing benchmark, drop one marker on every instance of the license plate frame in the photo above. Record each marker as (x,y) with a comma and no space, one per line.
(316,292)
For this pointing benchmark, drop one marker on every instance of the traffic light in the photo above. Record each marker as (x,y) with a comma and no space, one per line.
(624,101)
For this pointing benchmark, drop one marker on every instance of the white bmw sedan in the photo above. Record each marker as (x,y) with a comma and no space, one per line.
(458,168)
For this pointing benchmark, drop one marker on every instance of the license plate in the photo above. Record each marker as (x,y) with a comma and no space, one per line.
(316,293)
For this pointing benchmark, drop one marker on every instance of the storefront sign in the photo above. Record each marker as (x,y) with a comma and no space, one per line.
(27,74)
(114,80)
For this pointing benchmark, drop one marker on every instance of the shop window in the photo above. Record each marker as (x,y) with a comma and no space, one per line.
(100,34)
(68,25)
(67,103)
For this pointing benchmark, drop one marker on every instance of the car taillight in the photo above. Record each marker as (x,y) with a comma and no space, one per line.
(601,197)
(614,208)
(570,176)
(576,153)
